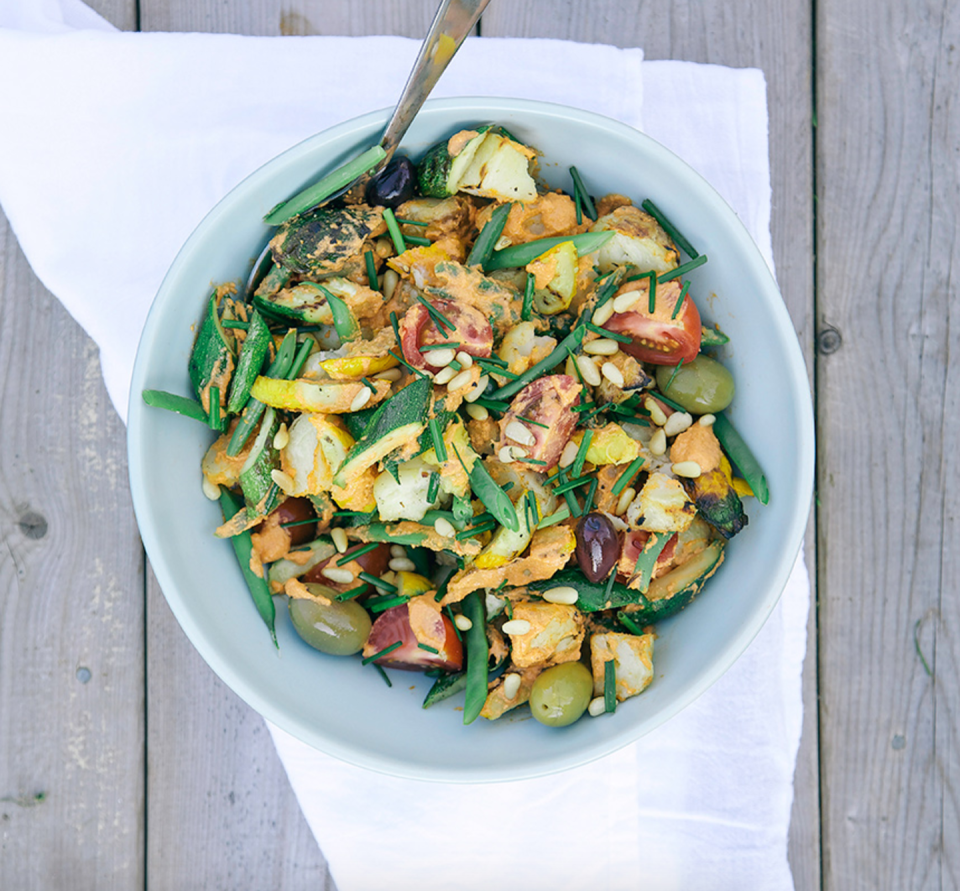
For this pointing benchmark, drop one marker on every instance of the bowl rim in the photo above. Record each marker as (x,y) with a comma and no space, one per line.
(607,744)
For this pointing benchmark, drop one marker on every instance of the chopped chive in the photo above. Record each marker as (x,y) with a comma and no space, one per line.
(534,508)
(300,359)
(669,228)
(453,621)
(680,299)
(613,335)
(383,674)
(372,387)
(577,206)
(577,466)
(610,686)
(610,581)
(418,240)
(377,583)
(676,406)
(487,240)
(591,494)
(383,652)
(534,461)
(675,372)
(351,513)
(571,340)
(214,419)
(584,406)
(293,523)
(508,608)
(572,484)
(359,552)
(396,326)
(395,234)
(433,489)
(448,344)
(404,222)
(493,404)
(629,624)
(439,447)
(493,360)
(556,517)
(379,604)
(438,317)
(625,478)
(427,647)
(349,594)
(234,323)
(527,308)
(182,405)
(689,266)
(572,503)
(372,279)
(405,364)
(532,421)
(647,558)
(493,368)
(476,530)
(588,206)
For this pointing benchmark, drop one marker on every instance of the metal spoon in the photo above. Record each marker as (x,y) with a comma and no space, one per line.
(453,21)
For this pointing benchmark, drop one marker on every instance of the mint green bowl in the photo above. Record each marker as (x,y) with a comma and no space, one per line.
(335,704)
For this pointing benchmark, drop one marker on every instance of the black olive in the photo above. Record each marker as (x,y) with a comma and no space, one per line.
(598,546)
(393,185)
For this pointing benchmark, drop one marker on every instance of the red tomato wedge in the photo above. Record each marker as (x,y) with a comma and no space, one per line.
(375,562)
(547,402)
(657,337)
(634,541)
(471,330)
(393,625)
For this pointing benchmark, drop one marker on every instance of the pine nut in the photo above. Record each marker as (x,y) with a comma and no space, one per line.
(391,374)
(603,346)
(440,358)
(569,453)
(389,281)
(462,622)
(588,368)
(602,314)
(627,300)
(477,412)
(707,420)
(211,490)
(626,498)
(689,469)
(445,528)
(564,594)
(398,551)
(402,564)
(445,375)
(282,437)
(511,685)
(656,413)
(283,480)
(339,537)
(518,433)
(465,359)
(335,574)
(658,442)
(612,374)
(477,391)
(516,627)
(505,455)
(518,453)
(461,380)
(360,400)
(677,423)
(597,707)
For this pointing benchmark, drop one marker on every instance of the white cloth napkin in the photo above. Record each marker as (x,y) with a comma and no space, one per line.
(114,148)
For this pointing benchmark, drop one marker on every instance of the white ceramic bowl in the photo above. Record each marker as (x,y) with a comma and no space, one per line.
(335,704)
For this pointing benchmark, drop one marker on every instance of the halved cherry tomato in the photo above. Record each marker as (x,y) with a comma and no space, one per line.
(471,329)
(634,541)
(375,562)
(547,401)
(657,337)
(393,625)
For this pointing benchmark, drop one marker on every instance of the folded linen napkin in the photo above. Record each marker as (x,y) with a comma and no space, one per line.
(115,148)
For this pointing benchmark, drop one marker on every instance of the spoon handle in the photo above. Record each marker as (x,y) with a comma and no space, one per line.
(452,23)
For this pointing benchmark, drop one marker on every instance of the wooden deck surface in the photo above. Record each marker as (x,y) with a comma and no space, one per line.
(125,763)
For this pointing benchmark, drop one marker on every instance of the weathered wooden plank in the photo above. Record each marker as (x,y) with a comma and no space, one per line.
(888,189)
(71,606)
(777,39)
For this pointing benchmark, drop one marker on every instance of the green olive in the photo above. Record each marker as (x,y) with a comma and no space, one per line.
(561,694)
(701,386)
(340,629)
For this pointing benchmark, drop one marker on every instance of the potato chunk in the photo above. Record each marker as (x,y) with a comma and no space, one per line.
(556,632)
(631,654)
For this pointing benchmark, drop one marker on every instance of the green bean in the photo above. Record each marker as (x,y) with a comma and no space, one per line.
(648,558)
(252,353)
(477,656)
(520,254)
(493,497)
(487,240)
(610,686)
(182,405)
(322,189)
(742,458)
(243,548)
